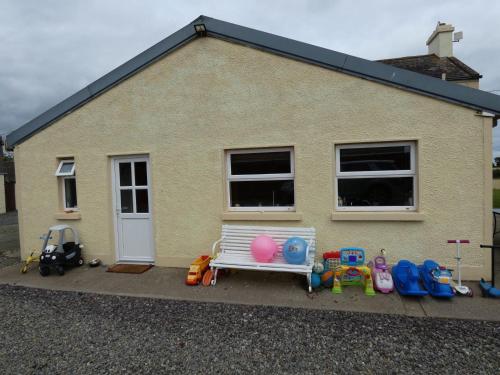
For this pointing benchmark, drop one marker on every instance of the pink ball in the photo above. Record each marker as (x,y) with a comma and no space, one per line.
(263,248)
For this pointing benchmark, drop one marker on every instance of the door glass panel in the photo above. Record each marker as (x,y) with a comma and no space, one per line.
(127,204)
(141,174)
(125,174)
(141,200)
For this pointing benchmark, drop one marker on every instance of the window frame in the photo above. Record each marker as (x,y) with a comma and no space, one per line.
(260,177)
(64,174)
(412,172)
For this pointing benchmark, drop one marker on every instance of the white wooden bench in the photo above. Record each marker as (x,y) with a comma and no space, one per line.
(235,250)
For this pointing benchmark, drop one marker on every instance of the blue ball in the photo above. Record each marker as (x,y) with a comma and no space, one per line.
(315,280)
(294,250)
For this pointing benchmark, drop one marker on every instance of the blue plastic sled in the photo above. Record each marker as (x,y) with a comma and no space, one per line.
(488,290)
(436,279)
(406,279)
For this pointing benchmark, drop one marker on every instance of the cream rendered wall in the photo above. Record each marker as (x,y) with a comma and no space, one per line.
(210,95)
(472,83)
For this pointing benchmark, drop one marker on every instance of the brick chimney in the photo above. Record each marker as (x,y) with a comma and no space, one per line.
(441,40)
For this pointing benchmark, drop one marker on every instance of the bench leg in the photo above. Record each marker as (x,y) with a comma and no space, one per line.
(309,282)
(214,280)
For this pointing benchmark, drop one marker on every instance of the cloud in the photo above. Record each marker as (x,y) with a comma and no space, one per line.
(49,51)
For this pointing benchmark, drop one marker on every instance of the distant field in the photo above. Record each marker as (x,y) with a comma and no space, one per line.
(496,198)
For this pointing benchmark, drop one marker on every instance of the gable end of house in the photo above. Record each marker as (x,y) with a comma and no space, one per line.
(205,26)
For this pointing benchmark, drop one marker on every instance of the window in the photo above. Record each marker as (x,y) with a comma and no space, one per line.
(261,180)
(66,168)
(376,177)
(69,189)
(66,173)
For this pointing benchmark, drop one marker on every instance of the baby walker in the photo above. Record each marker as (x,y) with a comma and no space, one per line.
(460,289)
(382,278)
(352,271)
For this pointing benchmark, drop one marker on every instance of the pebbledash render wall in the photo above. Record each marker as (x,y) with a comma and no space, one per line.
(212,95)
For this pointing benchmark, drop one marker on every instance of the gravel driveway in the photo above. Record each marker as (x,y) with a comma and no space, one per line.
(49,332)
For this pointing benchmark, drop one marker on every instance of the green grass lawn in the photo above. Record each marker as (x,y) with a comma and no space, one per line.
(496,198)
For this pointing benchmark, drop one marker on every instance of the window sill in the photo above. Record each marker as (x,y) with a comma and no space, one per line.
(262,216)
(67,216)
(377,216)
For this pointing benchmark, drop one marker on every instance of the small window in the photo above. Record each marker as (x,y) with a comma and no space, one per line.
(70,201)
(376,177)
(66,173)
(66,168)
(261,180)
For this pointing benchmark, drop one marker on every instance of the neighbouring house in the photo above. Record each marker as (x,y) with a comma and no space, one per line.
(7,180)
(439,62)
(219,123)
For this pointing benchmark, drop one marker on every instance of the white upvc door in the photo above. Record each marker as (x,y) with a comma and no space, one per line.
(132,209)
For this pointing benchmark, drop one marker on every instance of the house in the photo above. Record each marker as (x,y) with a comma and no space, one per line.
(219,123)
(439,62)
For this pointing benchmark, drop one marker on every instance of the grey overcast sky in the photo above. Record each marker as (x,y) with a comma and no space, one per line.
(50,49)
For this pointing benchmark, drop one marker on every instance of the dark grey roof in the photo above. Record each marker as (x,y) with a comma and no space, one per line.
(356,66)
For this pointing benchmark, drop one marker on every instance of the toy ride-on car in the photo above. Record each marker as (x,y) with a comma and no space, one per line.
(64,254)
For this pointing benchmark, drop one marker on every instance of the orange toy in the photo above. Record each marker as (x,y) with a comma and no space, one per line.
(197,269)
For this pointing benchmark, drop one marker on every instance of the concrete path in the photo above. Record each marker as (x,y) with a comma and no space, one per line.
(252,288)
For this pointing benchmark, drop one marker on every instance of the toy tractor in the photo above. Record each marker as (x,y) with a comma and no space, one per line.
(64,254)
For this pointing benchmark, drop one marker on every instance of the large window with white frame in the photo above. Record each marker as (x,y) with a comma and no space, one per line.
(376,176)
(261,179)
(67,176)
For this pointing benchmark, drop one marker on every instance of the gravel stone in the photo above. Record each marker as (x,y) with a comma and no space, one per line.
(53,332)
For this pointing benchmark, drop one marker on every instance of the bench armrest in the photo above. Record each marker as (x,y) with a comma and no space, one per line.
(214,246)
(307,250)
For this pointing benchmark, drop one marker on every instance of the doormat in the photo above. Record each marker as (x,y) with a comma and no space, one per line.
(129,268)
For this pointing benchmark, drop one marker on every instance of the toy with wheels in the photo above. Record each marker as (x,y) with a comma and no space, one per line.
(460,289)
(63,254)
(197,269)
(436,279)
(382,279)
(352,271)
(407,279)
(29,260)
